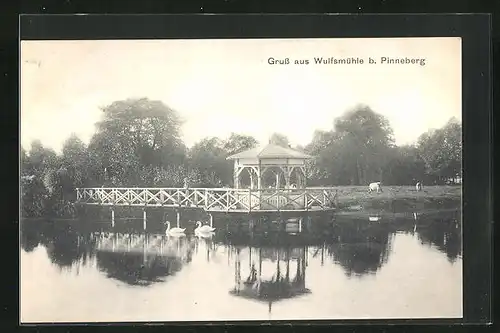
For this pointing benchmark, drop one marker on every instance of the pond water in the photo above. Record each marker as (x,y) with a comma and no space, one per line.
(350,269)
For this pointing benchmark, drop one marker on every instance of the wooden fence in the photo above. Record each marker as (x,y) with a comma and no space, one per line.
(212,199)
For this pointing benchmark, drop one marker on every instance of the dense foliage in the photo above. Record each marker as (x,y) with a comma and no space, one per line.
(137,143)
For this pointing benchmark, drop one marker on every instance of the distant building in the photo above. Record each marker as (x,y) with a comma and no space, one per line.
(456,180)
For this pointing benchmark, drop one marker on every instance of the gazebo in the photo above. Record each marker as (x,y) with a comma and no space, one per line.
(269,178)
(287,167)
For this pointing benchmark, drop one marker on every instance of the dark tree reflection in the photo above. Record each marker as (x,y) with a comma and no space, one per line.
(360,247)
(66,246)
(442,232)
(64,243)
(141,260)
(132,269)
(30,235)
(63,250)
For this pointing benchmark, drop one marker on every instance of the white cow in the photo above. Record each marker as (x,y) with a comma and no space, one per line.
(375,187)
(418,186)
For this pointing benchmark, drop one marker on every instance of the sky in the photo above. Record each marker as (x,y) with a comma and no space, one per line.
(224,86)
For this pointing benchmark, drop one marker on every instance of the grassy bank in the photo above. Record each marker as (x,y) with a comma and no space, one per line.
(399,199)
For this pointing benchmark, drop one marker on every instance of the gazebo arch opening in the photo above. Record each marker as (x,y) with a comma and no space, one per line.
(288,177)
(298,178)
(273,177)
(248,178)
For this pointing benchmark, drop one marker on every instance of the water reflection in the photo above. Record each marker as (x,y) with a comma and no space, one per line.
(29,238)
(360,248)
(279,283)
(141,259)
(442,232)
(65,245)
(266,269)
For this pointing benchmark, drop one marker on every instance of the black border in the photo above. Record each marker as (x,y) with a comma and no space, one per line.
(475,31)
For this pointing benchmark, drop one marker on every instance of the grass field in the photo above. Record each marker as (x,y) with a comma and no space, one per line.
(399,198)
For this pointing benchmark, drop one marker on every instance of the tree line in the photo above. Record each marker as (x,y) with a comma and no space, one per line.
(137,143)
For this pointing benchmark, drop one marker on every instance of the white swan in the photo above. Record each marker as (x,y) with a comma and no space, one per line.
(204,235)
(373,218)
(173,231)
(203,229)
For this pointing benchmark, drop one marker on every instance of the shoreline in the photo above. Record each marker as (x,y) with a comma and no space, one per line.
(399,199)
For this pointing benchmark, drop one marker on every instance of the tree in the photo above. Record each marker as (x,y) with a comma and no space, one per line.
(279,139)
(318,168)
(76,161)
(134,137)
(207,160)
(23,161)
(237,143)
(40,159)
(453,144)
(355,152)
(367,138)
(405,166)
(37,186)
(331,162)
(441,151)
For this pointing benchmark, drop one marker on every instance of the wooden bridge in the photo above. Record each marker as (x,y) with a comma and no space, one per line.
(214,199)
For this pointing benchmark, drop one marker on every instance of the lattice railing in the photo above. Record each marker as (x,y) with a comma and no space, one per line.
(212,199)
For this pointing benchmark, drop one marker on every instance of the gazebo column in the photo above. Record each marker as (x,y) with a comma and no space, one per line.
(236,175)
(303,177)
(259,273)
(299,180)
(237,270)
(259,177)
(250,173)
(288,172)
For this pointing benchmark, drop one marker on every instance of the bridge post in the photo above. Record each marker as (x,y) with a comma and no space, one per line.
(178,218)
(144,249)
(300,224)
(211,220)
(112,217)
(282,222)
(144,224)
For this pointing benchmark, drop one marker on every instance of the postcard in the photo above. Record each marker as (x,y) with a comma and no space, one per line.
(176,180)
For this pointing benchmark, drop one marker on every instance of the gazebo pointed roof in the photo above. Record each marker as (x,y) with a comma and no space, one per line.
(269,151)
